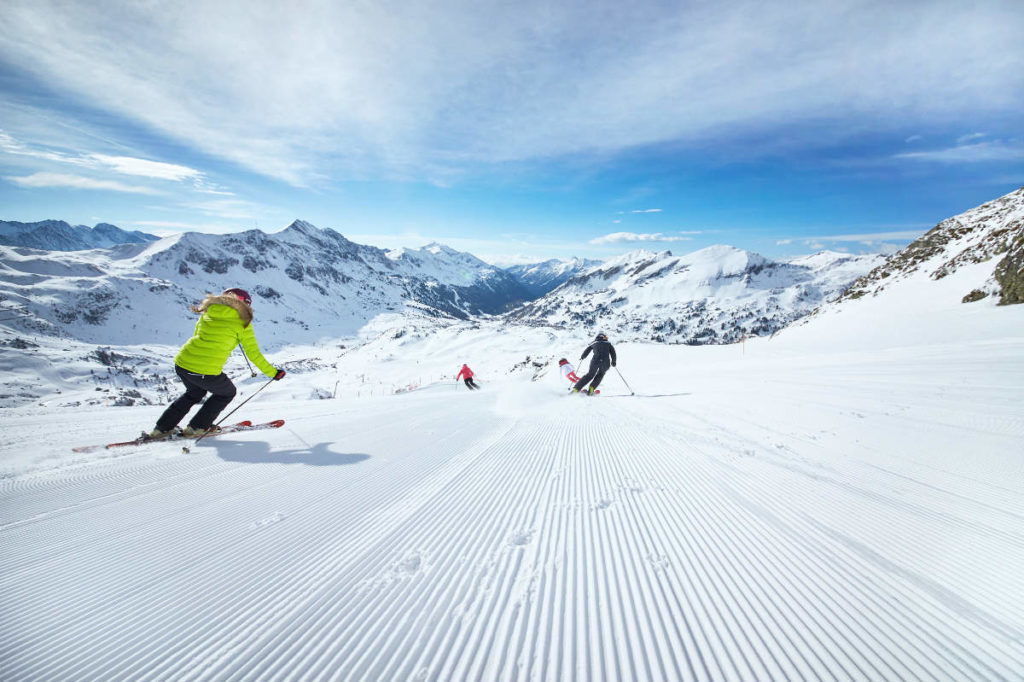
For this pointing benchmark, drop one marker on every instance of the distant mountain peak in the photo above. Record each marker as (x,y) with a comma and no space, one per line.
(302,226)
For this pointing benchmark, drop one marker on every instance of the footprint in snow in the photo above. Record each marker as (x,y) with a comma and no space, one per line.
(520,538)
(409,564)
(269,521)
(604,504)
(658,562)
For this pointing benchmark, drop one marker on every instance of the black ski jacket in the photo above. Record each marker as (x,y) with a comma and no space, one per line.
(602,351)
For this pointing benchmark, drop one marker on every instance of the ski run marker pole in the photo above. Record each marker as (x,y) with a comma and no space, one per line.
(631,392)
(184,448)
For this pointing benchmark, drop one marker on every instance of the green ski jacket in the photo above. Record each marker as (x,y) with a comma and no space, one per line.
(224,324)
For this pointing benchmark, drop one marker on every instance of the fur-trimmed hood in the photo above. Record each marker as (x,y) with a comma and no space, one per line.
(244,311)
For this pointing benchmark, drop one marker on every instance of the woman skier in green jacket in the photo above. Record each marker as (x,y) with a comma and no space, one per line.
(225,321)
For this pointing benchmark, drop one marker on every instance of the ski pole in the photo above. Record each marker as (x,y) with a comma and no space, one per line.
(246,358)
(631,392)
(185,449)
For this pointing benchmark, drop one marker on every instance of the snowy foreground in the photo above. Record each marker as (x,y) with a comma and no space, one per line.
(767,512)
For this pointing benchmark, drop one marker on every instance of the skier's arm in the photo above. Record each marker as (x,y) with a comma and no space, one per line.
(611,351)
(587,351)
(248,341)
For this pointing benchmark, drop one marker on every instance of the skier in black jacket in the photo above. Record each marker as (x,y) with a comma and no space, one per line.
(604,356)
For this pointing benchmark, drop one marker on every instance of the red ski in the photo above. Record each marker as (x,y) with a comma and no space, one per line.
(143,440)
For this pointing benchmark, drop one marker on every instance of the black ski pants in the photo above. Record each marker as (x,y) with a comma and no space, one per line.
(470,383)
(593,375)
(196,387)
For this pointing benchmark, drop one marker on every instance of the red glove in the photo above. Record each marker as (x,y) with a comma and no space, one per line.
(279,375)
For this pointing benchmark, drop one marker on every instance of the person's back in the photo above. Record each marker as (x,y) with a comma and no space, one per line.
(466,374)
(603,351)
(603,358)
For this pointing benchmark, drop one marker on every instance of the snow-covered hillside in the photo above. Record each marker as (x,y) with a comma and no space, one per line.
(308,283)
(716,295)
(57,235)
(991,234)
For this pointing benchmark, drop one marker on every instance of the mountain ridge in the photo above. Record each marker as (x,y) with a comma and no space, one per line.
(58,235)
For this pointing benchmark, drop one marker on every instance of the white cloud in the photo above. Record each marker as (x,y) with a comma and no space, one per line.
(964,139)
(148,169)
(995,150)
(102,164)
(362,89)
(895,235)
(630,237)
(647,210)
(78,182)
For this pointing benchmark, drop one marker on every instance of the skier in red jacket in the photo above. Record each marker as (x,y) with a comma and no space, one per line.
(468,374)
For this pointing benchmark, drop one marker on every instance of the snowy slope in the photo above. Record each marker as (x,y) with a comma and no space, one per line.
(716,295)
(845,513)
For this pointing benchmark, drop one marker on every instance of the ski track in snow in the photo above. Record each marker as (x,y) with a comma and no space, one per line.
(515,535)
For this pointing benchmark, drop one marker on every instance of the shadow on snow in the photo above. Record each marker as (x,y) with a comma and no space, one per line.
(319,455)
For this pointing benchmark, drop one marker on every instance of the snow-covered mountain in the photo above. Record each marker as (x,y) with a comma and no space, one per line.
(540,278)
(715,295)
(309,283)
(57,235)
(977,236)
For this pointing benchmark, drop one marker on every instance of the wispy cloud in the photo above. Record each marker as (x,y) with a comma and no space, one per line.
(101,166)
(896,235)
(38,180)
(631,237)
(647,210)
(126,165)
(420,90)
(144,168)
(992,150)
(970,137)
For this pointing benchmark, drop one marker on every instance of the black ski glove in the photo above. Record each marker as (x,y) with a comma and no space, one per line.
(280,375)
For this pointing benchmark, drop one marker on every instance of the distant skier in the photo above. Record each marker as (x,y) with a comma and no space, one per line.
(468,374)
(604,356)
(567,371)
(225,321)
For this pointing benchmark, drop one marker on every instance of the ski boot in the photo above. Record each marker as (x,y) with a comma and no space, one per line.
(190,432)
(157,434)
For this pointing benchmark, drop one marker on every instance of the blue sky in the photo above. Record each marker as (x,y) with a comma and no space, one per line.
(517,131)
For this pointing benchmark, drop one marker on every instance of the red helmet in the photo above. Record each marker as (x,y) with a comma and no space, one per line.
(563,361)
(240,293)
